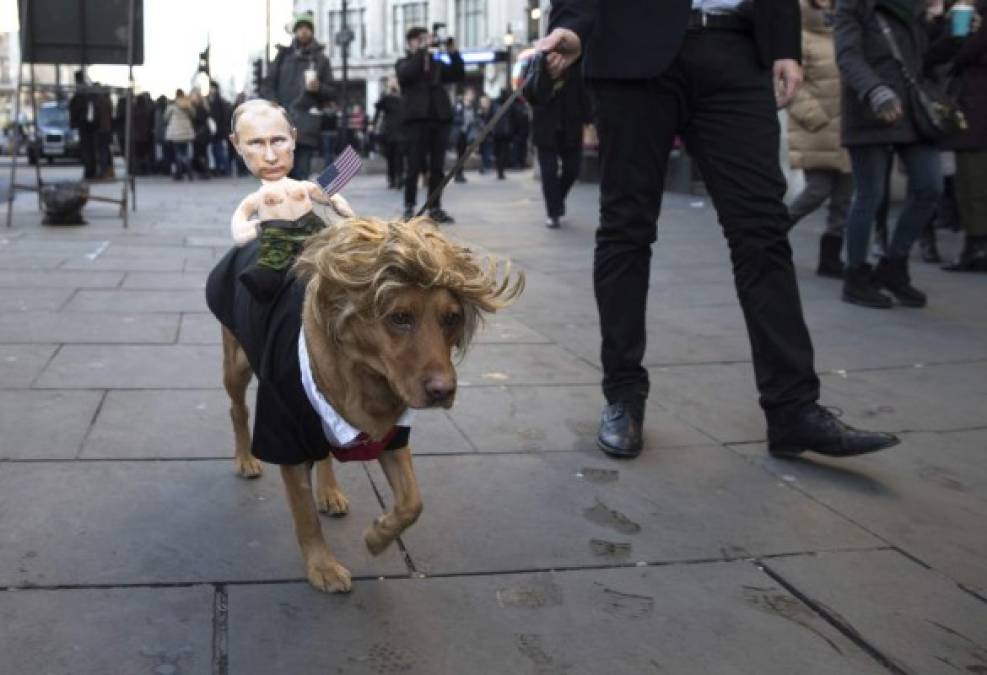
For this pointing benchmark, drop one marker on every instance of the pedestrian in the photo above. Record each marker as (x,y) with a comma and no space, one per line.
(203,128)
(387,125)
(970,77)
(142,132)
(329,134)
(180,133)
(104,133)
(358,129)
(300,81)
(221,114)
(485,113)
(558,135)
(877,124)
(520,133)
(503,134)
(465,127)
(82,118)
(163,157)
(814,136)
(423,74)
(658,69)
(238,163)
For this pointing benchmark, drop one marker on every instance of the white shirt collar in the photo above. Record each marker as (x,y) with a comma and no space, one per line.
(337,430)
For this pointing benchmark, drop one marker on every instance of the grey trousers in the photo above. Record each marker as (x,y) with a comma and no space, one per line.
(820,185)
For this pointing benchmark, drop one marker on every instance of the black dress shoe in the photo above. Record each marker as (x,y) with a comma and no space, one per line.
(818,430)
(620,429)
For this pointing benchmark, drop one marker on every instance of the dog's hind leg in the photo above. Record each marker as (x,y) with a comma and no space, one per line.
(236,378)
(328,497)
(407,500)
(323,570)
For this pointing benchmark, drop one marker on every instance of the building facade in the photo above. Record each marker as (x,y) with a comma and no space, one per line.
(481,29)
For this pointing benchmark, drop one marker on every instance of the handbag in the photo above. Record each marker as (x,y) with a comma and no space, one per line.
(935,113)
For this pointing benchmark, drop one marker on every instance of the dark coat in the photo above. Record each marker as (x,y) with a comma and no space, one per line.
(639,39)
(865,62)
(970,72)
(558,124)
(423,81)
(285,85)
(222,114)
(387,117)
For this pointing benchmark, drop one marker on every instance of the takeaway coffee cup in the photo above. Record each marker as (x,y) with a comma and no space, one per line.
(961,16)
(311,76)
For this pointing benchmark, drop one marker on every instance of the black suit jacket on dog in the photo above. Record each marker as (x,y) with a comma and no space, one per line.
(287,429)
(639,39)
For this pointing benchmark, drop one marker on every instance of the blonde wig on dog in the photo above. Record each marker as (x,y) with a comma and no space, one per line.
(355,268)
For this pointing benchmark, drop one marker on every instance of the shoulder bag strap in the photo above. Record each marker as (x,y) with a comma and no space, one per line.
(895,50)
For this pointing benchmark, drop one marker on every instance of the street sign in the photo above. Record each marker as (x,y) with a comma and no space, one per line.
(344,37)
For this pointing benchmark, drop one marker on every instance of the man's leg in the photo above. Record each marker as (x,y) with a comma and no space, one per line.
(734,136)
(548,163)
(416,157)
(818,187)
(636,123)
(438,142)
(572,159)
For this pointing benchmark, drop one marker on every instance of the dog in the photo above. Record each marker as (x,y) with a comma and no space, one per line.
(363,330)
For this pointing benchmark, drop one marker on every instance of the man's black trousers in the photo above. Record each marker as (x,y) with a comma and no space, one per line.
(719,99)
(427,143)
(555,186)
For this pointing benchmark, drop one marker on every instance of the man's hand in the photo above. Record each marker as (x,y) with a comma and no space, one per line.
(787,76)
(562,48)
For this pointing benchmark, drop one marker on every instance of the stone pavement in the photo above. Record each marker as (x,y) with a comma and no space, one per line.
(127,545)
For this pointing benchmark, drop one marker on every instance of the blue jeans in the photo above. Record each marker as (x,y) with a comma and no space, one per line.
(303,162)
(220,157)
(870,164)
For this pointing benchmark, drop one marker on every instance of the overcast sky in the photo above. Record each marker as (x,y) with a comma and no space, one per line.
(175,31)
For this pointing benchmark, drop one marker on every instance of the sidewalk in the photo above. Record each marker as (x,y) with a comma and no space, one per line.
(127,545)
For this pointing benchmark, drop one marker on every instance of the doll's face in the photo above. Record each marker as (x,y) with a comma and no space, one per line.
(266,141)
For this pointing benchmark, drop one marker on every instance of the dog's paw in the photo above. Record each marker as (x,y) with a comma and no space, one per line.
(329,576)
(248,467)
(333,502)
(376,539)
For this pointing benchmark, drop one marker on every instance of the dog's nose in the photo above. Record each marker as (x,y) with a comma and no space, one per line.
(439,389)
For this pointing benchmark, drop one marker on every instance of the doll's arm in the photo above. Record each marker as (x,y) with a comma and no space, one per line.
(242,227)
(337,201)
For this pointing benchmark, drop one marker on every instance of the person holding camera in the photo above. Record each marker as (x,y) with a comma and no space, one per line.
(423,73)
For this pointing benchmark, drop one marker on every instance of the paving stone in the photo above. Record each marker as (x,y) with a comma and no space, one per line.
(433,433)
(10,260)
(533,419)
(21,364)
(507,329)
(175,300)
(27,299)
(59,279)
(200,328)
(45,424)
(135,367)
(83,327)
(483,513)
(118,630)
(122,263)
(925,496)
(624,621)
(166,522)
(164,280)
(496,364)
(922,622)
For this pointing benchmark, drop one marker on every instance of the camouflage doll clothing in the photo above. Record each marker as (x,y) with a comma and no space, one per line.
(280,242)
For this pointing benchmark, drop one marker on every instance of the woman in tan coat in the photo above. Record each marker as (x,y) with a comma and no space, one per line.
(814,136)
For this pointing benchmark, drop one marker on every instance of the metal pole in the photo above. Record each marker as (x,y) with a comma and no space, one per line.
(346,77)
(16,145)
(267,40)
(37,132)
(128,179)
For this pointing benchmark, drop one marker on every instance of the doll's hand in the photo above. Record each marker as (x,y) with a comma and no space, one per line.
(244,231)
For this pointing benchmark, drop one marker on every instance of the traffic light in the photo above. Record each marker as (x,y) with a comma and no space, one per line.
(204,61)
(258,78)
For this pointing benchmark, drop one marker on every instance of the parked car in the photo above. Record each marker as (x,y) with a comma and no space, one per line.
(53,138)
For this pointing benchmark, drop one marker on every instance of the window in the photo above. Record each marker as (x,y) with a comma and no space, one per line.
(356,22)
(471,22)
(406,15)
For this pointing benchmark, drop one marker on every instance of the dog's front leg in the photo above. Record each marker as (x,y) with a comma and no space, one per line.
(322,569)
(329,498)
(407,500)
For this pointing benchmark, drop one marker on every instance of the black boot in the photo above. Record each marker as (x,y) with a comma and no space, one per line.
(859,288)
(928,246)
(892,274)
(973,258)
(818,430)
(621,429)
(830,265)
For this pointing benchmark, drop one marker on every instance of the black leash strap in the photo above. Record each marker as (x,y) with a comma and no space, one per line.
(529,76)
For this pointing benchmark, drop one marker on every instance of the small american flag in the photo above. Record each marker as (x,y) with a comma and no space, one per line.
(339,173)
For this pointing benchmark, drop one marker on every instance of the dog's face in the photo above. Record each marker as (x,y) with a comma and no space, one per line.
(414,340)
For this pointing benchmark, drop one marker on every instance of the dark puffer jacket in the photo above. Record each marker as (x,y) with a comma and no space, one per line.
(865,62)
(285,85)
(423,79)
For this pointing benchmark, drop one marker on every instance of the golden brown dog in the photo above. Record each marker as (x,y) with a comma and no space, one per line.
(385,306)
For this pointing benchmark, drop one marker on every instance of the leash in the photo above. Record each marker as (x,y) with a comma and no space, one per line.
(471,148)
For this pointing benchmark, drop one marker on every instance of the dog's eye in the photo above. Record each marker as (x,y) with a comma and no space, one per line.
(451,319)
(403,320)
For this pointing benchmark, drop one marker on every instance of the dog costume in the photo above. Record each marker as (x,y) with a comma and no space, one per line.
(293,422)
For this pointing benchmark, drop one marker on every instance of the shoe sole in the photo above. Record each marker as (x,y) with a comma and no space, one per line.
(789,452)
(617,453)
(863,303)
